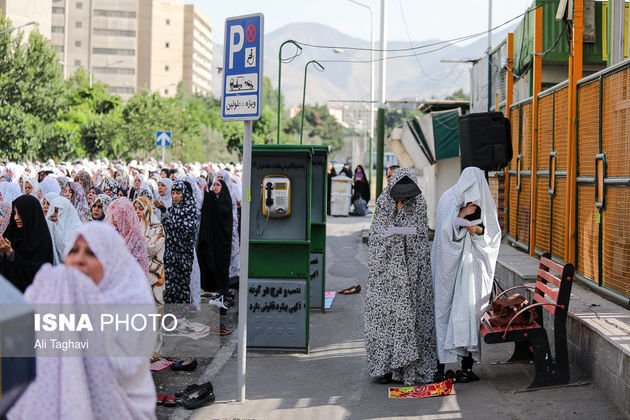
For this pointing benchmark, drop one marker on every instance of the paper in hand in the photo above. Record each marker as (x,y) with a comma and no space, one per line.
(404,230)
(466,223)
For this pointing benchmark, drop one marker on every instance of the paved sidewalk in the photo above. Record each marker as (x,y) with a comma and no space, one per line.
(332,382)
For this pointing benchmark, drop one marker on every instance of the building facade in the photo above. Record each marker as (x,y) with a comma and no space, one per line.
(132,45)
(197,52)
(21,12)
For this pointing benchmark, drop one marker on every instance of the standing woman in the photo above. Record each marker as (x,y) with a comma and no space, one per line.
(235,262)
(399,321)
(26,244)
(110,187)
(9,191)
(63,220)
(84,178)
(180,226)
(215,238)
(93,192)
(123,217)
(73,191)
(5,216)
(164,190)
(49,184)
(154,235)
(97,271)
(99,206)
(463,260)
(31,187)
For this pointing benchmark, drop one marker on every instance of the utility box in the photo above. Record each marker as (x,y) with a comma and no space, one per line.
(319,194)
(279,248)
(340,196)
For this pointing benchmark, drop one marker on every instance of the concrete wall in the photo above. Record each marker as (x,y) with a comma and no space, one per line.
(21,12)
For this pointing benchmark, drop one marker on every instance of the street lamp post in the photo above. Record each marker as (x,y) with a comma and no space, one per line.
(380,144)
(319,67)
(372,64)
(18,27)
(288,41)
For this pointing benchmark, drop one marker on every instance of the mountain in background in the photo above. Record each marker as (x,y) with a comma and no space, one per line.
(409,78)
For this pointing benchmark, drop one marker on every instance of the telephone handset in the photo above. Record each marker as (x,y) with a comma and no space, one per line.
(276,196)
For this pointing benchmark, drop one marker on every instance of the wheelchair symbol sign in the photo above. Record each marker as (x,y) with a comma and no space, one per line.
(250,57)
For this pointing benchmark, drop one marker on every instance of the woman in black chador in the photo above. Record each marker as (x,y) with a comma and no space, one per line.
(215,238)
(26,244)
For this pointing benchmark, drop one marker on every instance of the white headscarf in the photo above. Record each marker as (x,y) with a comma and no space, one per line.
(91,387)
(16,171)
(49,184)
(463,266)
(67,221)
(167,198)
(233,185)
(34,184)
(9,191)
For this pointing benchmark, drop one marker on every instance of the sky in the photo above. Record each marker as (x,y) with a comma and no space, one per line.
(426,19)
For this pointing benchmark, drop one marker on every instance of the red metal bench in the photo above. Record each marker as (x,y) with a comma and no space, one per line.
(551,293)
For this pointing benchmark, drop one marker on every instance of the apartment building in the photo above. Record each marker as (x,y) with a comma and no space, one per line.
(100,36)
(134,44)
(21,12)
(197,52)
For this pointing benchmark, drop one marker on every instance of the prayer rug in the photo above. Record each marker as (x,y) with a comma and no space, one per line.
(328,299)
(160,364)
(423,391)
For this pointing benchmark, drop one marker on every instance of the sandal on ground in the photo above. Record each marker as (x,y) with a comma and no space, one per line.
(345,291)
(352,290)
(185,365)
(169,401)
(200,397)
(461,377)
(160,399)
(471,375)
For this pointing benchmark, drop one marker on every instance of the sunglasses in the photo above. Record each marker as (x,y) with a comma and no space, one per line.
(98,206)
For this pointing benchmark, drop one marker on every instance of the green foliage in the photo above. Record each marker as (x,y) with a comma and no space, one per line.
(458,95)
(396,117)
(42,116)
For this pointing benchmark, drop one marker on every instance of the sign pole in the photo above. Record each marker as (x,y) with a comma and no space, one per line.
(242,290)
(163,151)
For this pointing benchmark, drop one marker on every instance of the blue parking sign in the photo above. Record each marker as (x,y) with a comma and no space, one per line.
(243,68)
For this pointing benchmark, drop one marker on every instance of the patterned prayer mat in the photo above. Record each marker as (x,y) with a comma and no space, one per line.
(423,391)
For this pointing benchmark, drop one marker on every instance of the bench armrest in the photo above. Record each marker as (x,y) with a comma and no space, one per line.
(511,288)
(526,309)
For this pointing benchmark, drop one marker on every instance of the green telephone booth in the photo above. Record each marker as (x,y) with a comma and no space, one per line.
(319,192)
(279,248)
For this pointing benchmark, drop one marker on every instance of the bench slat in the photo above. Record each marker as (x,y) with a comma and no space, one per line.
(550,294)
(551,264)
(540,299)
(549,277)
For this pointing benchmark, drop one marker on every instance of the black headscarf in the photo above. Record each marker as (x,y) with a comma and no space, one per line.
(31,243)
(215,239)
(361,186)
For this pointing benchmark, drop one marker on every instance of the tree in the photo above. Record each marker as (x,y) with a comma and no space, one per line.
(458,95)
(31,90)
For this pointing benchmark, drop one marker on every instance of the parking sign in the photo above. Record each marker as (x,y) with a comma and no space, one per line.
(243,68)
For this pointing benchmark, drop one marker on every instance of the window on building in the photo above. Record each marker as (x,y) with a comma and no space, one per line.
(168,21)
(79,5)
(78,24)
(165,68)
(115,13)
(114,32)
(114,51)
(120,89)
(113,70)
(58,10)
(56,29)
(166,91)
(168,45)
(77,43)
(59,48)
(77,63)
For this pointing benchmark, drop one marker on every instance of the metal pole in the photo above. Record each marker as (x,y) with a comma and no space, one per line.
(537,85)
(380,144)
(288,41)
(489,58)
(163,151)
(317,66)
(303,101)
(242,290)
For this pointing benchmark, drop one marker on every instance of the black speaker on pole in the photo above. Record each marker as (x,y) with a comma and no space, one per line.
(485,140)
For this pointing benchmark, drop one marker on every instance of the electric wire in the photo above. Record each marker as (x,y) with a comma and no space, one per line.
(448,41)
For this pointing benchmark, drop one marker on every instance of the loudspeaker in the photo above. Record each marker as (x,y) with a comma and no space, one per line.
(485,140)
